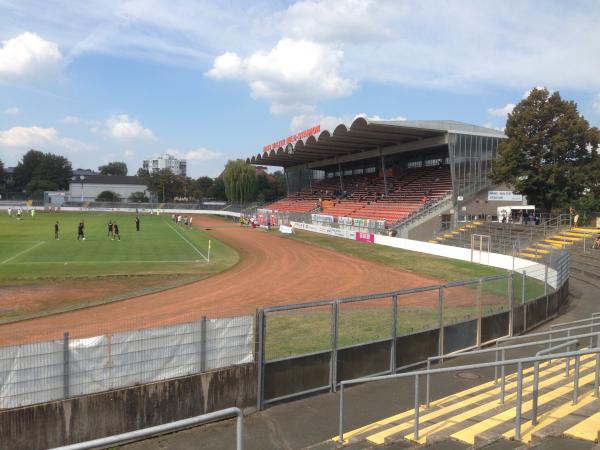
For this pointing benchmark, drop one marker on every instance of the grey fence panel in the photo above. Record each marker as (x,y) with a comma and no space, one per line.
(31,373)
(53,370)
(460,336)
(417,347)
(229,341)
(494,327)
(363,360)
(89,365)
(536,312)
(296,375)
(152,354)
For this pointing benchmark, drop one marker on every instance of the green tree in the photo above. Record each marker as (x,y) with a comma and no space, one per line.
(113,168)
(40,166)
(2,183)
(203,184)
(165,185)
(138,197)
(108,196)
(143,173)
(217,190)
(36,186)
(239,179)
(548,150)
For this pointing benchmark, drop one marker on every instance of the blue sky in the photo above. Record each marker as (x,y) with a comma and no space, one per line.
(213,81)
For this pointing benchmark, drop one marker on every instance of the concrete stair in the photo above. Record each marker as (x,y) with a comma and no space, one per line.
(475,418)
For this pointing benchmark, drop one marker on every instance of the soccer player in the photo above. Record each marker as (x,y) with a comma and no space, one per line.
(80,229)
(116,231)
(56,236)
(137,223)
(110,229)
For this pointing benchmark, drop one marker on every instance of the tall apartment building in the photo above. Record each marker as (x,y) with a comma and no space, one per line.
(166,161)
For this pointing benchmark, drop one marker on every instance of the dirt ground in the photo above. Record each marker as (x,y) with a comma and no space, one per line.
(272,271)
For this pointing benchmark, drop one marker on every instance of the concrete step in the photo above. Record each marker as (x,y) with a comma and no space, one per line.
(592,281)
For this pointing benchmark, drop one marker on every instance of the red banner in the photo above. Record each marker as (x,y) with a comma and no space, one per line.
(365,237)
(293,138)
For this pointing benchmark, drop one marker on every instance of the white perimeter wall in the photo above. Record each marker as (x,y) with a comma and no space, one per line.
(216,212)
(498,260)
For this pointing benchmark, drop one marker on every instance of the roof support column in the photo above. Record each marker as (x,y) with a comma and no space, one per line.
(341,182)
(287,181)
(385,186)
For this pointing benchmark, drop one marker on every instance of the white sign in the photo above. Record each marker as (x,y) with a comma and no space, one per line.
(285,229)
(504,196)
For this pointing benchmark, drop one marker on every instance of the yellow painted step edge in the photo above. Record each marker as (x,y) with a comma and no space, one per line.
(587,429)
(487,386)
(379,438)
(468,434)
(548,418)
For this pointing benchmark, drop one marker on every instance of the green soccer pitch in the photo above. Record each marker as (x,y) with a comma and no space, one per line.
(30,252)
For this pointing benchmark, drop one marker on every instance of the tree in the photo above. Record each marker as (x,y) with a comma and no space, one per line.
(203,184)
(1,174)
(548,150)
(113,168)
(239,179)
(217,190)
(165,185)
(138,197)
(108,196)
(40,166)
(143,173)
(37,186)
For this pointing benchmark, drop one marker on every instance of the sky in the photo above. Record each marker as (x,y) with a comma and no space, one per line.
(105,80)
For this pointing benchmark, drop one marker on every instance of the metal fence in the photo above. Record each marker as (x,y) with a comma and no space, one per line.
(311,347)
(58,369)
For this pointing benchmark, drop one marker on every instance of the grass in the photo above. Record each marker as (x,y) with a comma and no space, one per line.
(160,255)
(368,323)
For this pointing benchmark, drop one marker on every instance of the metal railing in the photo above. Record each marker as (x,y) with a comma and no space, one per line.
(569,341)
(120,439)
(518,362)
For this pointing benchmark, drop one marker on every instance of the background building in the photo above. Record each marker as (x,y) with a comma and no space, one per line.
(166,161)
(87,188)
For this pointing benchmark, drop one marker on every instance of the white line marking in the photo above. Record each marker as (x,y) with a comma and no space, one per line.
(24,251)
(188,242)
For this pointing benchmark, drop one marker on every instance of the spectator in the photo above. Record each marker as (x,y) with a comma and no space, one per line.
(597,243)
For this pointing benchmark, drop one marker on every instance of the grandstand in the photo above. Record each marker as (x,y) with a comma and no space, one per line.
(383,170)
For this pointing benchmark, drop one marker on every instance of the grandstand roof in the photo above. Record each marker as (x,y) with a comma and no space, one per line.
(362,135)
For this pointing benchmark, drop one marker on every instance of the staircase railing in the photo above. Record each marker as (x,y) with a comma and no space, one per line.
(569,340)
(442,203)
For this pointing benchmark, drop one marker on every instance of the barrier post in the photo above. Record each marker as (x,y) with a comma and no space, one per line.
(334,340)
(479,311)
(260,353)
(203,324)
(511,303)
(441,320)
(519,401)
(66,380)
(394,333)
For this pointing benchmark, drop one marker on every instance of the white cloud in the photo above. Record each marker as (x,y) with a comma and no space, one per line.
(70,120)
(128,154)
(502,111)
(293,75)
(597,103)
(17,140)
(28,56)
(12,111)
(196,155)
(122,128)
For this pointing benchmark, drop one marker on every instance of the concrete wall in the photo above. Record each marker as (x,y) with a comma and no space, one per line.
(53,424)
(480,206)
(426,230)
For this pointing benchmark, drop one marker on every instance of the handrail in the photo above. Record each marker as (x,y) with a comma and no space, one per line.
(131,436)
(503,349)
(519,362)
(593,318)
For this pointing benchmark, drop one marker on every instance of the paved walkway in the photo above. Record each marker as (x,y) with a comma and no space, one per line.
(303,423)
